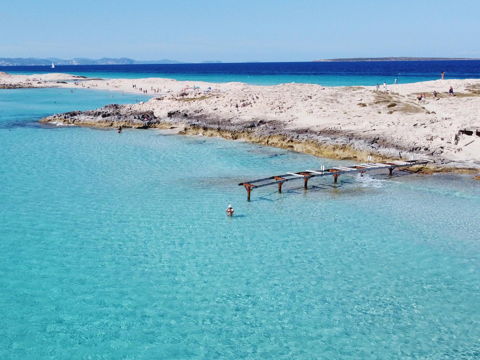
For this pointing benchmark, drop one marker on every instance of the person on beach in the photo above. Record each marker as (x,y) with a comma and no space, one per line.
(443,75)
(119,130)
(450,91)
(229,210)
(385,87)
(435,94)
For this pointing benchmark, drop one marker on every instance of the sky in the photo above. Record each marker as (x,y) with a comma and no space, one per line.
(240,30)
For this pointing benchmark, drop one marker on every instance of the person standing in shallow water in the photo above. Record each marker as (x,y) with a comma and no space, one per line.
(443,75)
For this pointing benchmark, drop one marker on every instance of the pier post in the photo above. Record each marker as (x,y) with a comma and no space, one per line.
(248,187)
(335,178)
(280,180)
(305,182)
(306,176)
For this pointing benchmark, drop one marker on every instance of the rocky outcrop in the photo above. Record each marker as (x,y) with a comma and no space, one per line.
(108,116)
(331,143)
(16,86)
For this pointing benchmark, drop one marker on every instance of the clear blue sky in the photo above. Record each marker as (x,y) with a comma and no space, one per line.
(239,30)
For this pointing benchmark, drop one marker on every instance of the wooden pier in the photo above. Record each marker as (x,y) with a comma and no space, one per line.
(335,172)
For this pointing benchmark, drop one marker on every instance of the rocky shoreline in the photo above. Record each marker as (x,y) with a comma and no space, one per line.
(332,143)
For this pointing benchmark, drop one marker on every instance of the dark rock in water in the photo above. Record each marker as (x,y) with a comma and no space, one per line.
(107,116)
(16,86)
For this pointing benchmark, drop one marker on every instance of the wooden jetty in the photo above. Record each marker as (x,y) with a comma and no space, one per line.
(335,172)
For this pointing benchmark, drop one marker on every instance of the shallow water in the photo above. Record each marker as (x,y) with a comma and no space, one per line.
(116,246)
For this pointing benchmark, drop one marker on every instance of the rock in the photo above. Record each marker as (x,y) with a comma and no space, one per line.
(109,116)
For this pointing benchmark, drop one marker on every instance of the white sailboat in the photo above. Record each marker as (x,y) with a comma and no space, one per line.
(53,65)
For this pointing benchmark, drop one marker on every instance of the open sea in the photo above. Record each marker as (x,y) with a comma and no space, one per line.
(116,246)
(324,73)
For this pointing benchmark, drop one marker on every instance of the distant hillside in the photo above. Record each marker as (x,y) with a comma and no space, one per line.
(78,61)
(392,59)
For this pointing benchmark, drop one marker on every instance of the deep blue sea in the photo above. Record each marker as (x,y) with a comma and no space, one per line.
(116,246)
(324,73)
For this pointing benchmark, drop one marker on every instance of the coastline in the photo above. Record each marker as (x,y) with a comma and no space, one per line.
(342,122)
(333,146)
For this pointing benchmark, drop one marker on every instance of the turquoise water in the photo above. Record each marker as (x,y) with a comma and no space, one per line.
(325,80)
(116,246)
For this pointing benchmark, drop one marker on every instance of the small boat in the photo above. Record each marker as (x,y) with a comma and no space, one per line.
(53,65)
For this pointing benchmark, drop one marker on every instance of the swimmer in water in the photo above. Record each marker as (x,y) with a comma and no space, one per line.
(229,210)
